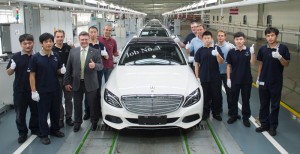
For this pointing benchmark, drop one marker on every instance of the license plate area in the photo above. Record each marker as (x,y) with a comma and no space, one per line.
(152,120)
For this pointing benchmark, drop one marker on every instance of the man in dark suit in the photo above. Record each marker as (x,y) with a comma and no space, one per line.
(81,77)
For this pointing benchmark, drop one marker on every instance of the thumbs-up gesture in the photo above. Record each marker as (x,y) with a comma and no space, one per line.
(252,49)
(92,64)
(187,46)
(63,69)
(104,53)
(13,64)
(276,54)
(176,39)
(215,52)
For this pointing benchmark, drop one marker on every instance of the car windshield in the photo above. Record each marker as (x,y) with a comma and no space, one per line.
(160,33)
(152,54)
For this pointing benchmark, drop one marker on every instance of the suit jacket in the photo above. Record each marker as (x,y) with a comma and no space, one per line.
(73,69)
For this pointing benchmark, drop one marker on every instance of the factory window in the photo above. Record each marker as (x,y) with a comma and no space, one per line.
(217,18)
(230,19)
(245,20)
(213,18)
(269,21)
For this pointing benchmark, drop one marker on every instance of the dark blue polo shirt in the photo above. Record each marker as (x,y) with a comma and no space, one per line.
(45,69)
(189,38)
(63,54)
(240,65)
(21,82)
(209,66)
(97,46)
(272,69)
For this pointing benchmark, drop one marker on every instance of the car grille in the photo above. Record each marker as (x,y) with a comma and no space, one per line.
(152,104)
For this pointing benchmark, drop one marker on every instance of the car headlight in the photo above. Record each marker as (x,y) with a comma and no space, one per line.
(111,99)
(192,98)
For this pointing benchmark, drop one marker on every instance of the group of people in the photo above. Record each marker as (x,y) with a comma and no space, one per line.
(222,61)
(59,69)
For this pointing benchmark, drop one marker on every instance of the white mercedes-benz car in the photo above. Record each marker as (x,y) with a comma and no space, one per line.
(152,86)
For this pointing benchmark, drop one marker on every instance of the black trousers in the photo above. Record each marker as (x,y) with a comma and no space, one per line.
(212,97)
(49,103)
(227,90)
(245,90)
(91,98)
(269,94)
(22,100)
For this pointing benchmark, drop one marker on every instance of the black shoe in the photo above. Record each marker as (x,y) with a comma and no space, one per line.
(70,122)
(238,117)
(94,126)
(261,129)
(76,127)
(246,123)
(22,139)
(45,140)
(231,120)
(86,116)
(61,123)
(57,134)
(217,117)
(272,131)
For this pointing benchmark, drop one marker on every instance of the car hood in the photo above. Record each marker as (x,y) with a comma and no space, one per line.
(127,80)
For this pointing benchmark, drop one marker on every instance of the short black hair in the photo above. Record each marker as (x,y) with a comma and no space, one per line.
(46,36)
(206,33)
(27,37)
(272,30)
(239,34)
(93,27)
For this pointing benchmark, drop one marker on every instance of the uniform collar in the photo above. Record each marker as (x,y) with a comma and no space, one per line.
(244,48)
(24,53)
(43,54)
(277,46)
(222,44)
(211,46)
(86,49)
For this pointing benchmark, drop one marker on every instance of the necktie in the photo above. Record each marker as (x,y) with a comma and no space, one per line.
(82,62)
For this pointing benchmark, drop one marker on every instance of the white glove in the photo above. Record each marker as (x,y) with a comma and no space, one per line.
(230,46)
(215,52)
(176,39)
(187,46)
(35,96)
(228,83)
(191,59)
(70,43)
(198,79)
(252,49)
(276,54)
(63,69)
(104,52)
(13,64)
(257,81)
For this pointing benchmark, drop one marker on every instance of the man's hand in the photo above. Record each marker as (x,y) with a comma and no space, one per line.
(13,64)
(68,87)
(104,53)
(228,83)
(92,64)
(35,96)
(176,39)
(187,46)
(63,69)
(252,49)
(276,54)
(215,52)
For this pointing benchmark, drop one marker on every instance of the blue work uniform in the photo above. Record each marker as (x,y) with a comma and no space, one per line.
(63,53)
(209,75)
(241,81)
(22,95)
(47,85)
(270,84)
(223,68)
